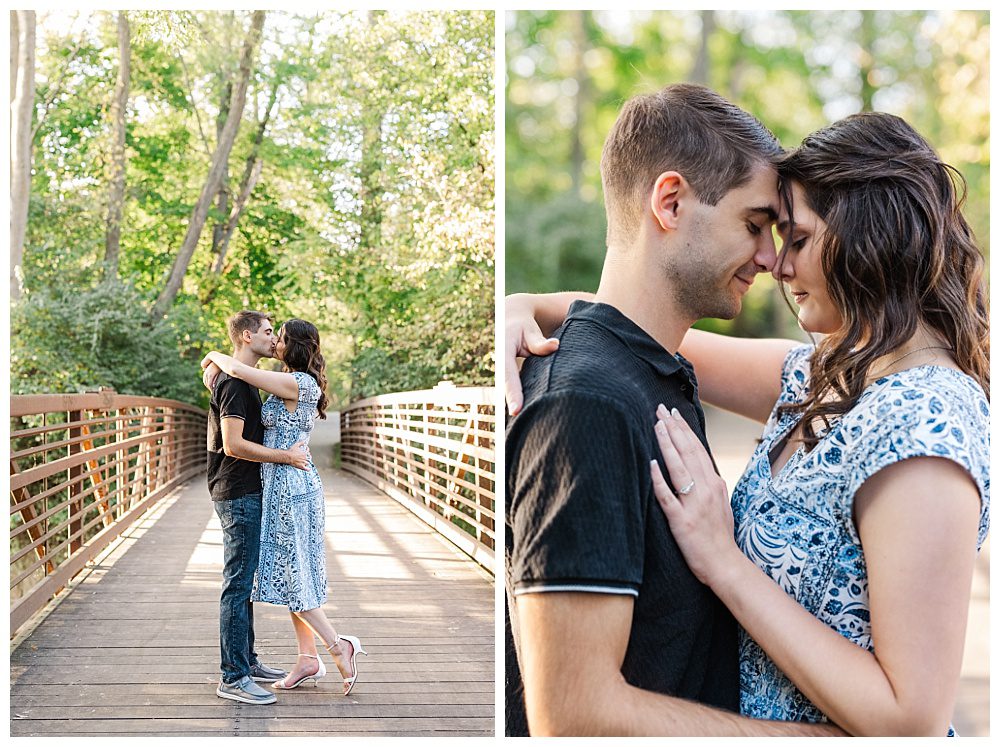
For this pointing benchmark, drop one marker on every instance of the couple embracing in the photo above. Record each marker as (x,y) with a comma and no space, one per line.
(829,593)
(269,500)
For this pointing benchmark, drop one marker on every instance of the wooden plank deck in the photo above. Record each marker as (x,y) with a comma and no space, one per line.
(133,648)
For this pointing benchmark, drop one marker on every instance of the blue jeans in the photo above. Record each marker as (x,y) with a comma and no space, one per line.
(240,519)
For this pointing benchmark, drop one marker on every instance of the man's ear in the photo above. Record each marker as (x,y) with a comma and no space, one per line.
(246,336)
(665,199)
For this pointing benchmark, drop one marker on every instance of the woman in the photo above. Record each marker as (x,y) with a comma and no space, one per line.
(858,519)
(292,567)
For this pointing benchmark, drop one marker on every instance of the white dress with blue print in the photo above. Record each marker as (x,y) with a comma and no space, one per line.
(798,526)
(292,566)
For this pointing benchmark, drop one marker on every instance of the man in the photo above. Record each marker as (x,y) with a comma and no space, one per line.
(235,449)
(612,632)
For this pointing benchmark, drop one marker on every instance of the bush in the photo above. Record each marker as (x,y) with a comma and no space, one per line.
(67,339)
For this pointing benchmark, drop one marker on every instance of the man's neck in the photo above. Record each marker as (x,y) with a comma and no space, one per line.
(246,355)
(644,295)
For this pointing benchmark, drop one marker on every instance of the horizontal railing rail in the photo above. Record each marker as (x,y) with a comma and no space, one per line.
(83,468)
(434,451)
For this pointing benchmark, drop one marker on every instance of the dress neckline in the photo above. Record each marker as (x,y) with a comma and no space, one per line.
(866,392)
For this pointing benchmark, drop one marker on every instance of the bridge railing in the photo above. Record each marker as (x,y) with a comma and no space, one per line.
(434,452)
(83,467)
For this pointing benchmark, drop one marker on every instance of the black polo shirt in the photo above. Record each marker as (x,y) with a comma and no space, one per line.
(582,516)
(229,477)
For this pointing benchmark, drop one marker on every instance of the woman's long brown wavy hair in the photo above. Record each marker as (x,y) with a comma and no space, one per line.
(302,354)
(897,251)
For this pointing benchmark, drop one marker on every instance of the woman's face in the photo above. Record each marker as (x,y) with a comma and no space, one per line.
(800,266)
(279,345)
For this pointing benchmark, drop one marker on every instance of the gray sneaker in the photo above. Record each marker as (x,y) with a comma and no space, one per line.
(263,673)
(245,691)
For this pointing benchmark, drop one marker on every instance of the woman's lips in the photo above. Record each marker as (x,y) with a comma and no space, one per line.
(799,296)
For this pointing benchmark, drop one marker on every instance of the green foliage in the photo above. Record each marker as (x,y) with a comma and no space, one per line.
(72,340)
(569,71)
(403,306)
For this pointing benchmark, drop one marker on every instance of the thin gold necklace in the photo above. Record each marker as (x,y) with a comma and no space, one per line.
(907,355)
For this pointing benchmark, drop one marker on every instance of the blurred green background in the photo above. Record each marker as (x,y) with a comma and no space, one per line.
(568,73)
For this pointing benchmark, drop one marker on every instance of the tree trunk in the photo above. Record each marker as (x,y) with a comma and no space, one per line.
(22,107)
(219,160)
(702,62)
(13,54)
(580,45)
(222,199)
(119,104)
(867,69)
(251,175)
(371,167)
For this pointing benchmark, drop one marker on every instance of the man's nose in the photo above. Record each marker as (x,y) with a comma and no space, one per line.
(766,253)
(783,270)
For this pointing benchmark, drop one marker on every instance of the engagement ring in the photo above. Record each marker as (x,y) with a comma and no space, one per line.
(687,488)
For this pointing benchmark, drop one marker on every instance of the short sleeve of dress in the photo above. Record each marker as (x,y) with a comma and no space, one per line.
(575,498)
(308,388)
(794,382)
(932,413)
(795,374)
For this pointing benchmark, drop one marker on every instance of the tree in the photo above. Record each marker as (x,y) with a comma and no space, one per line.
(22,23)
(220,160)
(119,105)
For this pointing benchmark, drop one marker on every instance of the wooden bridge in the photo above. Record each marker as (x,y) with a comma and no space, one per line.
(130,646)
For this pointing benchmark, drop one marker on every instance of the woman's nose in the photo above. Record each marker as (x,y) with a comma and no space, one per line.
(783,270)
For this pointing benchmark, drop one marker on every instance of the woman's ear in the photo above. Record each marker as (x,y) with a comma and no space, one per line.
(665,199)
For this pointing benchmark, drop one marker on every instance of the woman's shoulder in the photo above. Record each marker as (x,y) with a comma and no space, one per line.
(308,388)
(928,411)
(924,411)
(304,378)
(927,395)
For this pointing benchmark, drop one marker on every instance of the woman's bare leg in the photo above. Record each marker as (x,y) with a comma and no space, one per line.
(306,663)
(340,650)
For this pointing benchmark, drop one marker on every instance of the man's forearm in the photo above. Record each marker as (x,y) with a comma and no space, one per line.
(254,452)
(631,711)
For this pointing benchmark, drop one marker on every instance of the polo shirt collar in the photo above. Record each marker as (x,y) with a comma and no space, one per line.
(630,333)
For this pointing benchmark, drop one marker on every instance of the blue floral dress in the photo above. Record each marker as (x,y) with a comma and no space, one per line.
(292,567)
(798,526)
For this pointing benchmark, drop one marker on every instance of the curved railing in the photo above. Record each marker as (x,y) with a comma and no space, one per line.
(434,452)
(83,467)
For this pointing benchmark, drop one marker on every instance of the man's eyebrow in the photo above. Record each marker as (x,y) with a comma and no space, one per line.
(766,210)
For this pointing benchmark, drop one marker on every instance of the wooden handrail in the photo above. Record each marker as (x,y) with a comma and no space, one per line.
(434,452)
(83,468)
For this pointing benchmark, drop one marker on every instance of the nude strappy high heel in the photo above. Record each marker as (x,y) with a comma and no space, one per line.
(357,649)
(283,684)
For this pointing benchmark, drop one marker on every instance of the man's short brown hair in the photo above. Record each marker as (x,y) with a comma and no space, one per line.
(245,321)
(685,128)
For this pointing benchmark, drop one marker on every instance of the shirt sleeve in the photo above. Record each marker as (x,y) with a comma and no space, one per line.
(575,497)
(232,399)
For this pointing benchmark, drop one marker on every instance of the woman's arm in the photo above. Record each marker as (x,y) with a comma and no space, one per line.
(917,521)
(526,315)
(738,374)
(280,384)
